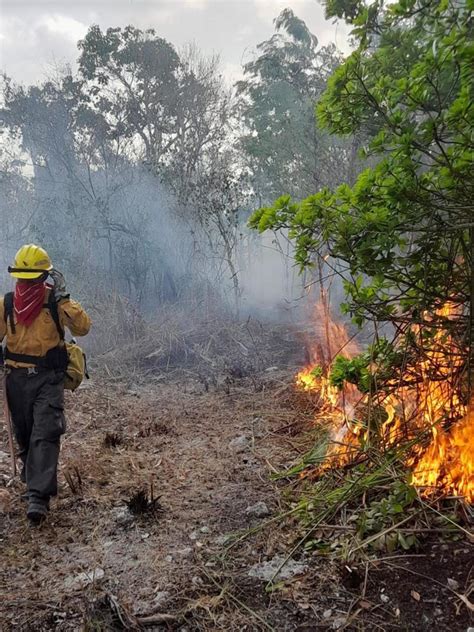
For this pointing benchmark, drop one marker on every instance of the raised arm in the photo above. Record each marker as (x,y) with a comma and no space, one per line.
(71,314)
(74,317)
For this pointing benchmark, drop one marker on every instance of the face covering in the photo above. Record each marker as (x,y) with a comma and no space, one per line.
(28,301)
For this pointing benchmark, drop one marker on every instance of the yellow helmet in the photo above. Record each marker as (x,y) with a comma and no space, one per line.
(31,262)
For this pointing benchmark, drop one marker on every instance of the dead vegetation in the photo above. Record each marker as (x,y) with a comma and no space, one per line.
(206,346)
(143,503)
(156,525)
(143,514)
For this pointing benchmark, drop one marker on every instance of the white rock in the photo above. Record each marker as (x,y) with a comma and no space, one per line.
(384,598)
(266,571)
(453,584)
(84,579)
(186,552)
(259,510)
(160,598)
(204,530)
(239,444)
(123,516)
(258,427)
(327,613)
(194,535)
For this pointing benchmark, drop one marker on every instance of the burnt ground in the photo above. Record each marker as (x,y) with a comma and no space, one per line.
(175,558)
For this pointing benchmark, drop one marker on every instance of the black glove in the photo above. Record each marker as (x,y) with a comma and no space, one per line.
(59,288)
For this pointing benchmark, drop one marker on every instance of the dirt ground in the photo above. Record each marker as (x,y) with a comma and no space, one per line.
(175,558)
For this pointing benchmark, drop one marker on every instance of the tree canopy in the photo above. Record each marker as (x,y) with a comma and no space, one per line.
(403,228)
(284,150)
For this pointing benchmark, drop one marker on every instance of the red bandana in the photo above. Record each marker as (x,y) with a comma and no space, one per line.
(28,301)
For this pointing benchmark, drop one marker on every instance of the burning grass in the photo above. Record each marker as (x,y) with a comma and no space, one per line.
(393,458)
(420,413)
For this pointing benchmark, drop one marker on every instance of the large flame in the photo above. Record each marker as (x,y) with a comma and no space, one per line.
(428,409)
(448,462)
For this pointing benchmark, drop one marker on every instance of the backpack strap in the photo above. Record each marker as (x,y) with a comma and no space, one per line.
(8,311)
(52,305)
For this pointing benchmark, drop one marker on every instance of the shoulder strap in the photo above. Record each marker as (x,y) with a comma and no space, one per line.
(53,308)
(8,311)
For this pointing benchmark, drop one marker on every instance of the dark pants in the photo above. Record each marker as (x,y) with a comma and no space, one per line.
(36,403)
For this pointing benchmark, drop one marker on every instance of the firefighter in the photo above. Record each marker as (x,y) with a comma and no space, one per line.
(32,319)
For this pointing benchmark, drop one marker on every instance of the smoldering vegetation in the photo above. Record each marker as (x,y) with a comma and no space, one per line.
(138,172)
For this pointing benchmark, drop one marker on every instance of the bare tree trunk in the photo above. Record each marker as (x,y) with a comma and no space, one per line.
(326,312)
(233,272)
(229,258)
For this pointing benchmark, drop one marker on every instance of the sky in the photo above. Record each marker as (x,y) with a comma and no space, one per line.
(38,36)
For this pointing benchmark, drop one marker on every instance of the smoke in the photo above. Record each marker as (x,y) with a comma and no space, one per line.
(271,285)
(120,232)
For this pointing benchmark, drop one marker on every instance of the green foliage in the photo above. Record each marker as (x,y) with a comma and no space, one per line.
(369,370)
(170,106)
(314,457)
(107,55)
(133,82)
(352,370)
(317,371)
(402,229)
(384,513)
(378,508)
(283,150)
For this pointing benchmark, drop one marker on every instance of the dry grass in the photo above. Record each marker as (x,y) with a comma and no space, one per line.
(173,464)
(151,490)
(204,348)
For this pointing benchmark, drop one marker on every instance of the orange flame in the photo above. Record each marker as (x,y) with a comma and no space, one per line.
(447,463)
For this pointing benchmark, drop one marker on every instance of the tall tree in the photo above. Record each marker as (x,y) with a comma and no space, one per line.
(403,225)
(171,106)
(174,111)
(405,229)
(285,150)
(87,198)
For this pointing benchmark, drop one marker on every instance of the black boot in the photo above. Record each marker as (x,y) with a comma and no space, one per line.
(37,511)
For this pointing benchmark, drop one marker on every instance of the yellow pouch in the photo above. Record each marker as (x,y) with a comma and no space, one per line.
(76,366)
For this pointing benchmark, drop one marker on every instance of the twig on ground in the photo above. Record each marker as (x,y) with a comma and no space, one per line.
(240,603)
